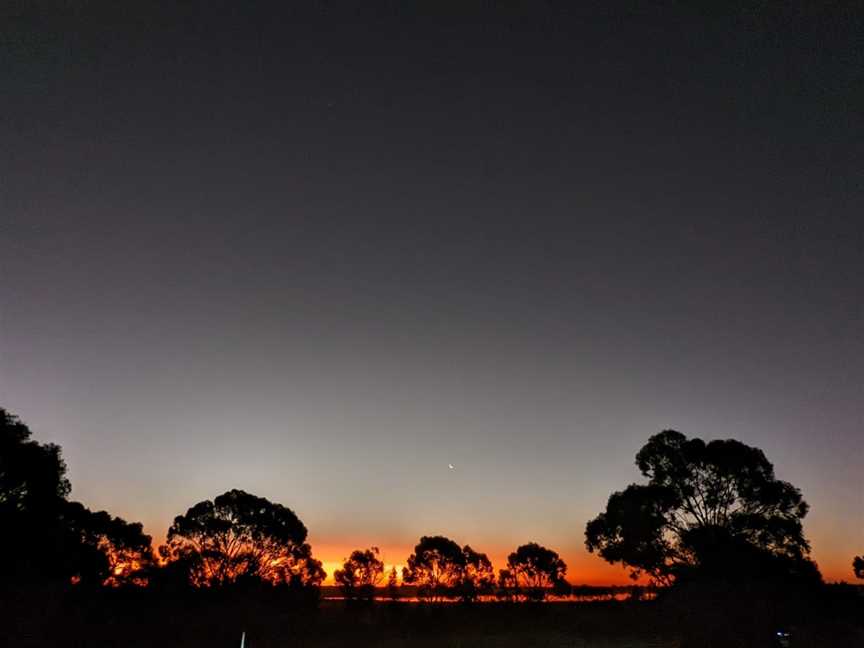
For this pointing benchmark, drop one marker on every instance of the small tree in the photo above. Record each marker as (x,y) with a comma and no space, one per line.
(393,585)
(507,589)
(858,566)
(536,569)
(360,574)
(477,577)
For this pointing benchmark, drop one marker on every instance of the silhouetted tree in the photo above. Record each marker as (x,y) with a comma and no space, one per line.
(33,490)
(105,550)
(393,585)
(46,537)
(706,507)
(858,566)
(477,577)
(535,570)
(360,574)
(241,537)
(508,588)
(441,569)
(435,567)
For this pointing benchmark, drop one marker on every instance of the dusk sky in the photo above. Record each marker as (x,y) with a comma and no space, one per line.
(319,254)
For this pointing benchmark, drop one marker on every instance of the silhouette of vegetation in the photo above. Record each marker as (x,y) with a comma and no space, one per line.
(708,508)
(477,577)
(33,490)
(507,589)
(242,538)
(441,569)
(858,566)
(360,574)
(55,539)
(534,570)
(393,585)
(106,550)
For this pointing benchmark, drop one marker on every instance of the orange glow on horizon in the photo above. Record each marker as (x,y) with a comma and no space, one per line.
(582,568)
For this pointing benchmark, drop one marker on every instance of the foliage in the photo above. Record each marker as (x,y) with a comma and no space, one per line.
(441,569)
(477,577)
(239,537)
(105,550)
(393,585)
(48,538)
(506,589)
(705,506)
(858,566)
(535,569)
(360,574)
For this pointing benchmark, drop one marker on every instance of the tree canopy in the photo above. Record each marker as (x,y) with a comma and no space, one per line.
(858,566)
(713,506)
(361,573)
(242,537)
(441,569)
(105,550)
(48,538)
(534,569)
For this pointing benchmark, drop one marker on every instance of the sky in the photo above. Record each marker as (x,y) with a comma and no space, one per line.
(320,252)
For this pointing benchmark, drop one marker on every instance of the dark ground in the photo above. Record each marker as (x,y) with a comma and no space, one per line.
(37,619)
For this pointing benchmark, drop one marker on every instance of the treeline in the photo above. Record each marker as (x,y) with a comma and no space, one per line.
(708,512)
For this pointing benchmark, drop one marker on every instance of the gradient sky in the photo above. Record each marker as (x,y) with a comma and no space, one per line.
(319,254)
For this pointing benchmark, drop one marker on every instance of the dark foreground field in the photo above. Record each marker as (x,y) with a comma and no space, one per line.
(37,620)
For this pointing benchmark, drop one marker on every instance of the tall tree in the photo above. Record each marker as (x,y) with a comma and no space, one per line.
(858,566)
(239,536)
(707,507)
(33,490)
(361,573)
(535,570)
(48,538)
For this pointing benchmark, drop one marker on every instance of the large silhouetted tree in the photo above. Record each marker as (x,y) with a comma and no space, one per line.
(708,508)
(33,490)
(241,537)
(858,566)
(48,538)
(535,570)
(441,569)
(361,573)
